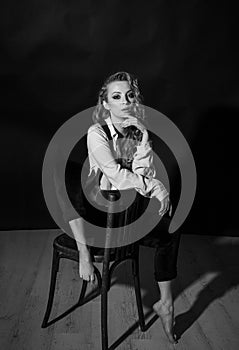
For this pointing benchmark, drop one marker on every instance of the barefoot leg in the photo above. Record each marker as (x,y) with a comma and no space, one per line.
(165,310)
(166,315)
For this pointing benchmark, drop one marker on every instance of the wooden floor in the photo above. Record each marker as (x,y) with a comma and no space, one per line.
(206,298)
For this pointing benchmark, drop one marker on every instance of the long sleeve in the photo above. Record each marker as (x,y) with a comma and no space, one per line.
(120,178)
(143,165)
(99,149)
(143,161)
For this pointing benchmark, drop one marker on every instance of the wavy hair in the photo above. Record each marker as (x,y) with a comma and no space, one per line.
(100,113)
(133,136)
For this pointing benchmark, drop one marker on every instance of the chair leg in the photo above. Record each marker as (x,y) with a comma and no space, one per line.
(104,306)
(54,270)
(135,268)
(83,290)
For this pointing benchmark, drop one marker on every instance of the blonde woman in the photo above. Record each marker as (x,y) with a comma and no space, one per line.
(127,163)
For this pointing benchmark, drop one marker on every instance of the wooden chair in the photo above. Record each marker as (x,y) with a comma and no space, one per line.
(65,247)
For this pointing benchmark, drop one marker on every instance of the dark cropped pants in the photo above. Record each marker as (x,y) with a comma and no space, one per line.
(166,245)
(166,250)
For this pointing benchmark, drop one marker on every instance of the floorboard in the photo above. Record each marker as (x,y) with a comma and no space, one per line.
(206,298)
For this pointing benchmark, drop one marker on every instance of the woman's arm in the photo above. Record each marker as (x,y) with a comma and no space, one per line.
(77,228)
(143,161)
(76,223)
(143,164)
(86,267)
(143,157)
(120,178)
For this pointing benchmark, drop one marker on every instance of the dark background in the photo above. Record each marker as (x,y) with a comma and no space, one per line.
(54,58)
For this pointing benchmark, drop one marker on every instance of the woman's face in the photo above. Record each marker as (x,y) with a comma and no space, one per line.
(120,99)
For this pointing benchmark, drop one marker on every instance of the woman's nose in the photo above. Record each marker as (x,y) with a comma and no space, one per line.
(126,99)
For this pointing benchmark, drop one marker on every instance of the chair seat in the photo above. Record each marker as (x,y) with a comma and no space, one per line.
(67,245)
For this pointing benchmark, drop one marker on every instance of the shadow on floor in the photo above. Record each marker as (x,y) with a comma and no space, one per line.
(198,256)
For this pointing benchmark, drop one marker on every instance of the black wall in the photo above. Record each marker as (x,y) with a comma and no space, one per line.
(54,57)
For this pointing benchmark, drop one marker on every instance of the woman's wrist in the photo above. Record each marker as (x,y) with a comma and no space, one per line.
(77,228)
(82,247)
(145,137)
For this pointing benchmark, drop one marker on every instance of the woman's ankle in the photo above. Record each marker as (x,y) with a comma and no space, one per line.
(168,303)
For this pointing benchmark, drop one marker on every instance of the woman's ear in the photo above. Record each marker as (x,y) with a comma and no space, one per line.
(105,104)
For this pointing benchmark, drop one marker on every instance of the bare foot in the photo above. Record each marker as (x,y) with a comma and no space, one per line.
(166,314)
(86,267)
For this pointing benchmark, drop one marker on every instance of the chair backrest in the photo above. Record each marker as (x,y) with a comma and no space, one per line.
(119,218)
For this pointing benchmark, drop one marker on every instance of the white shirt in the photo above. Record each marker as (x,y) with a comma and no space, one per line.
(103,156)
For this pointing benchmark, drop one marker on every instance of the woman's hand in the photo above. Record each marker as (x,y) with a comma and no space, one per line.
(86,270)
(135,121)
(86,267)
(165,206)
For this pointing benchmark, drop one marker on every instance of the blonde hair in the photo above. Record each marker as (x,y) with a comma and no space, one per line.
(100,113)
(133,135)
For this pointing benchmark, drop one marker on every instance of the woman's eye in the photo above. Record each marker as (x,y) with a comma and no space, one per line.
(131,95)
(116,97)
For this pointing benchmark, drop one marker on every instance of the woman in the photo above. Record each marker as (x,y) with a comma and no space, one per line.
(128,165)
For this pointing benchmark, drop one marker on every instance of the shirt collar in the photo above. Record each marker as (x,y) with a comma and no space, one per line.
(113,132)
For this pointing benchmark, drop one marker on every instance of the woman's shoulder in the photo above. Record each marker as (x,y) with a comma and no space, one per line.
(96,128)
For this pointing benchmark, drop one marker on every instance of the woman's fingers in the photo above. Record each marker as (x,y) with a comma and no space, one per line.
(92,278)
(86,270)
(165,206)
(162,209)
(88,278)
(133,121)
